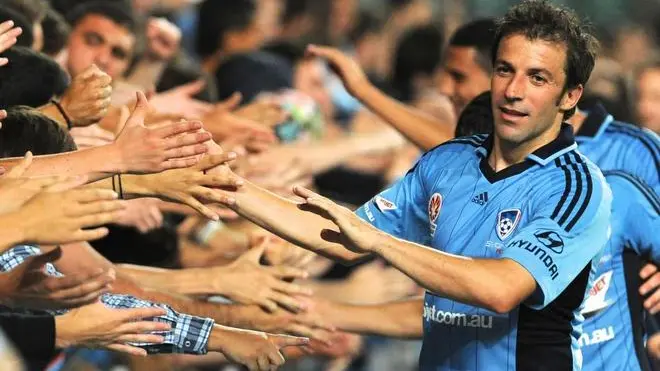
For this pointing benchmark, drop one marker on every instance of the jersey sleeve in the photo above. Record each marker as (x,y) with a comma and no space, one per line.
(569,228)
(400,210)
(636,208)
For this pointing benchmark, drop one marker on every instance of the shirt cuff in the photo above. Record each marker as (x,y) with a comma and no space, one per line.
(189,334)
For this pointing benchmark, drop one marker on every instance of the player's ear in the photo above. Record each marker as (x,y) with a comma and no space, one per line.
(571,97)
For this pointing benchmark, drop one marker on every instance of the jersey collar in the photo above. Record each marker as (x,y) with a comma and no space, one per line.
(595,124)
(565,142)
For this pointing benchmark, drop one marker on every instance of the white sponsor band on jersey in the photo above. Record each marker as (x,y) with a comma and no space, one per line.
(457,319)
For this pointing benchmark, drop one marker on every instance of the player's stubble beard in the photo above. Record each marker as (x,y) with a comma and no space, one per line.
(537,135)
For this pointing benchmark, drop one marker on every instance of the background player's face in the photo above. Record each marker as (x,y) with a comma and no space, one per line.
(463,78)
(528,88)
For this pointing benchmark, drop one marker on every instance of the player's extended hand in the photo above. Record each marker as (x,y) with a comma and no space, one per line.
(650,287)
(349,70)
(248,282)
(355,234)
(96,326)
(154,149)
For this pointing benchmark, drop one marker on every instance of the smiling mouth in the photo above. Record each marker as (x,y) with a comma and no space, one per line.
(512,112)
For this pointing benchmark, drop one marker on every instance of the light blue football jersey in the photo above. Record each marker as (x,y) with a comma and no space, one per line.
(549,213)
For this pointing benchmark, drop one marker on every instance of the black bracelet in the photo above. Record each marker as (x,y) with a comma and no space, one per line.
(57,104)
(114,188)
(121,189)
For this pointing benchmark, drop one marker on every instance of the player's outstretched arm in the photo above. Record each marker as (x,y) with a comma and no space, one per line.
(498,285)
(419,127)
(288,220)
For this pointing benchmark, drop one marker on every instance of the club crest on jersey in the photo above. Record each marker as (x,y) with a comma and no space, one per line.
(383,204)
(507,221)
(435,204)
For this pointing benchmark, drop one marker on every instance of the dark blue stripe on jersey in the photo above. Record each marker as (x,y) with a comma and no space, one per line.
(571,167)
(650,144)
(587,197)
(578,190)
(567,188)
(644,188)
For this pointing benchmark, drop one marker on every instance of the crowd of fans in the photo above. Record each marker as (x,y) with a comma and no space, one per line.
(129,125)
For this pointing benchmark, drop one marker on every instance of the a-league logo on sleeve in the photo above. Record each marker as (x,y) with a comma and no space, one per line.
(435,204)
(507,221)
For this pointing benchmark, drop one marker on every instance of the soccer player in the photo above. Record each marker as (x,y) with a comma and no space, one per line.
(614,330)
(514,220)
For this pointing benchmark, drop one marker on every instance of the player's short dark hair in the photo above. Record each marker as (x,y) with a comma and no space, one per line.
(476,117)
(418,53)
(26,38)
(216,18)
(480,35)
(541,20)
(119,12)
(26,129)
(33,10)
(30,78)
(56,32)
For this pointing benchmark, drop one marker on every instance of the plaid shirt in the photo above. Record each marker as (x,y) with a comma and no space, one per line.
(189,334)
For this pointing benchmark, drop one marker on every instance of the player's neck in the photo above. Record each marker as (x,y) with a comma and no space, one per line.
(505,154)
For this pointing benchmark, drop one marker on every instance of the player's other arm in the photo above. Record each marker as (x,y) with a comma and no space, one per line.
(498,285)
